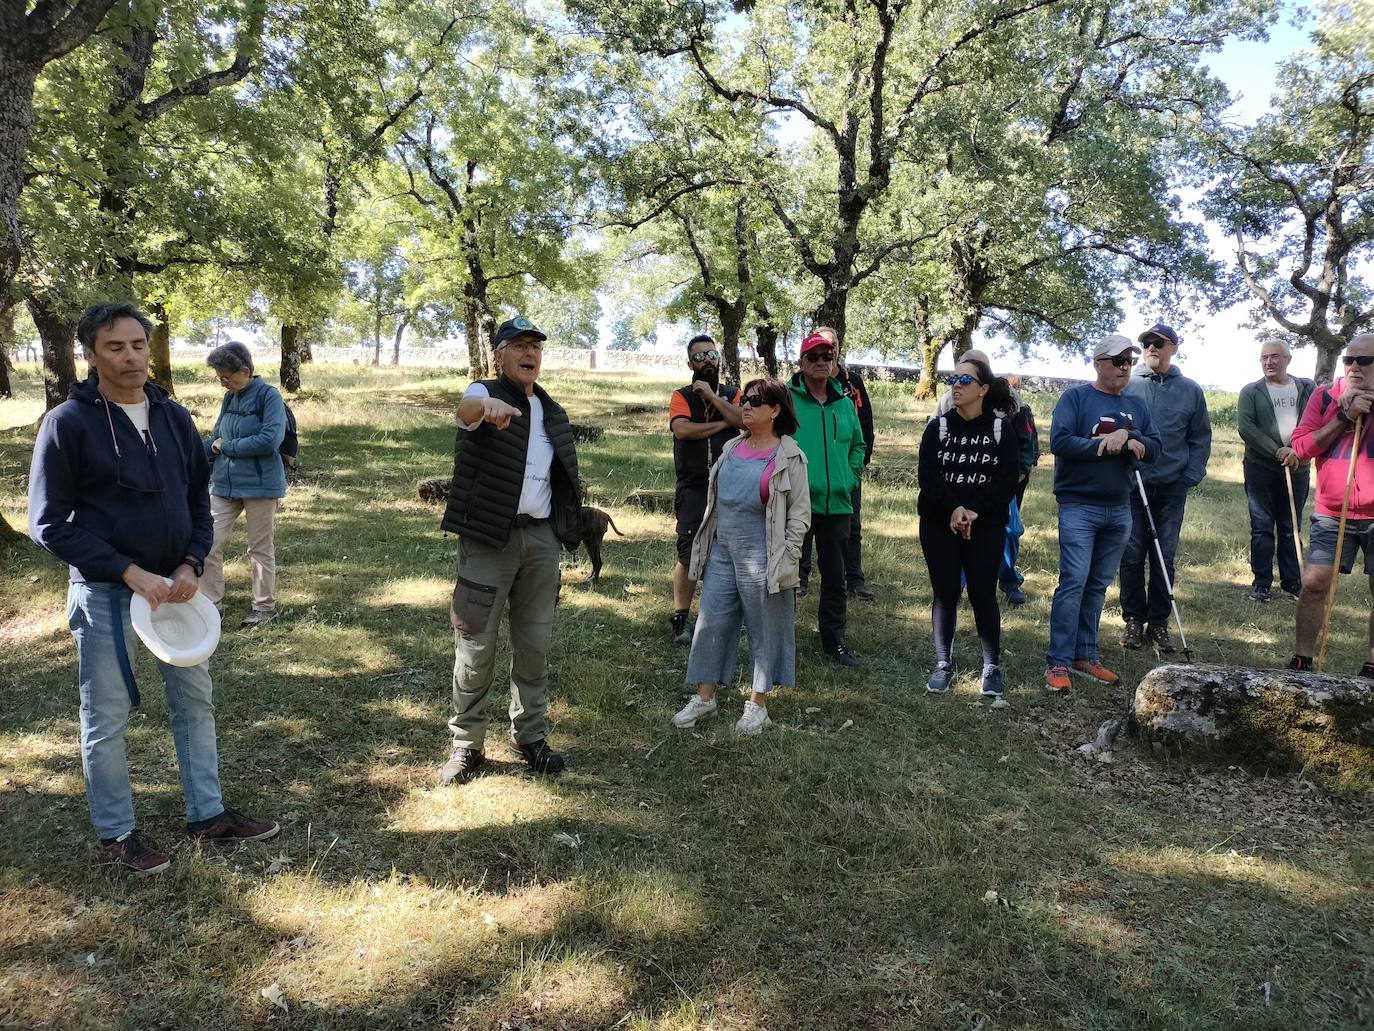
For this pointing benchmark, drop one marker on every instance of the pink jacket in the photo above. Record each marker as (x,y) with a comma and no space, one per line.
(1334,463)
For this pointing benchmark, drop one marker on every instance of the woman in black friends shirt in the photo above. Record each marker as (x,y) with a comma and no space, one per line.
(967,475)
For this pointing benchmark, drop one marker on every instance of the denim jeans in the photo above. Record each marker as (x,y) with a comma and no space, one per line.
(1167,508)
(1091,539)
(93,611)
(1271,519)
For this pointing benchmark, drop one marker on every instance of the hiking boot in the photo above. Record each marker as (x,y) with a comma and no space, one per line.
(539,757)
(697,708)
(231,827)
(1057,679)
(1260,594)
(991,687)
(1159,637)
(1015,596)
(133,852)
(841,654)
(1094,670)
(682,627)
(462,765)
(803,589)
(863,594)
(1134,637)
(256,618)
(1301,664)
(753,721)
(940,678)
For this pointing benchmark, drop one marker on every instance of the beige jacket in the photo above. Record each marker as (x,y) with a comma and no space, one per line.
(787,515)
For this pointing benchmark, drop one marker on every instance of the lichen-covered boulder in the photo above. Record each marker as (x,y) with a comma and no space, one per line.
(1304,721)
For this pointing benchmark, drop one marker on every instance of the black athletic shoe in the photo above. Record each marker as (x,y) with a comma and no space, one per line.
(803,590)
(462,766)
(863,594)
(1301,664)
(1260,594)
(682,627)
(841,654)
(1367,671)
(1159,637)
(1134,637)
(539,757)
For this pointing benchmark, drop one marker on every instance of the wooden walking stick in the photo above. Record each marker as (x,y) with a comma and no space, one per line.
(1340,539)
(1293,508)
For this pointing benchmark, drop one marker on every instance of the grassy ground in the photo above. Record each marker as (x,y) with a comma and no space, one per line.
(880,858)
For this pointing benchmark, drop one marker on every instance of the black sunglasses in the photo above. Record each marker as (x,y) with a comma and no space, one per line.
(819,356)
(755,400)
(1362,360)
(1121,361)
(701,356)
(962,380)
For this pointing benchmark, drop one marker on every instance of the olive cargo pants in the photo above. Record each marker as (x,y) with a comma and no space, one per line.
(524,573)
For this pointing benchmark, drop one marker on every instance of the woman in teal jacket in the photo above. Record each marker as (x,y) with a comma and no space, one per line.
(246,475)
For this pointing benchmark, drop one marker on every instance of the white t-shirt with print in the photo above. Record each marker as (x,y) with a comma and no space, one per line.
(1285,400)
(138,415)
(536,493)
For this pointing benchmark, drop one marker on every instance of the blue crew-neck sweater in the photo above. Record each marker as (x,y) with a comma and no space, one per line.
(1081,475)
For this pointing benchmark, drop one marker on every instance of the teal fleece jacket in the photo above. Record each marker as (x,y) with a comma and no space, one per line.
(833,441)
(1255,420)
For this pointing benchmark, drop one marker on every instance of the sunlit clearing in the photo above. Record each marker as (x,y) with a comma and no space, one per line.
(486,802)
(1277,874)
(425,592)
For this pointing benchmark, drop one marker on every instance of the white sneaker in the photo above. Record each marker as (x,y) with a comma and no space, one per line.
(696,708)
(755,718)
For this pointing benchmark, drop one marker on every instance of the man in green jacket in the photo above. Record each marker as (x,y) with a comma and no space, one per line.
(830,436)
(1267,414)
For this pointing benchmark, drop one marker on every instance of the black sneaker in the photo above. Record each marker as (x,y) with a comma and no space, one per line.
(803,590)
(1367,671)
(841,654)
(1291,595)
(1301,664)
(133,852)
(1134,637)
(539,757)
(682,628)
(1159,637)
(1015,596)
(462,766)
(1260,594)
(863,594)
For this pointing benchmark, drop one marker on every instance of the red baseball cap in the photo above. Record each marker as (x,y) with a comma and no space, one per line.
(816,340)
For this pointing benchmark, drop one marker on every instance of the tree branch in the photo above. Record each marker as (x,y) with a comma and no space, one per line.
(249,38)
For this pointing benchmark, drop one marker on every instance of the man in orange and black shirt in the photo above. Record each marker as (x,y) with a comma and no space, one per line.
(704,416)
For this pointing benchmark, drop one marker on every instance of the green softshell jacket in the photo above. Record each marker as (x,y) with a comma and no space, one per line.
(833,442)
(1255,420)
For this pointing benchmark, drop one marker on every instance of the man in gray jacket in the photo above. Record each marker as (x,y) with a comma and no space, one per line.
(1179,410)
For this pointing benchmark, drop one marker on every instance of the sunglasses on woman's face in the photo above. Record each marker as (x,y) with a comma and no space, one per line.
(701,356)
(755,400)
(962,380)
(1362,360)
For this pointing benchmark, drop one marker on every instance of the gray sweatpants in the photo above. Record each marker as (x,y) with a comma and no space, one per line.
(524,573)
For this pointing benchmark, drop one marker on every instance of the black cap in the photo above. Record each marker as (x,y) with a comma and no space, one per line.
(1162,331)
(516,327)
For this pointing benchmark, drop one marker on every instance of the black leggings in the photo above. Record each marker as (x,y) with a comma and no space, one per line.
(947,556)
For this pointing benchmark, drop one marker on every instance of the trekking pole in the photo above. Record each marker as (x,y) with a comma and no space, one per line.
(1340,539)
(1293,508)
(1159,553)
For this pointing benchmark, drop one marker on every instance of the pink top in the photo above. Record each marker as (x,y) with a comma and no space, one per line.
(743,450)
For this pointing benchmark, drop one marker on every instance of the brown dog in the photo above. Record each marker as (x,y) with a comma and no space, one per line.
(592,530)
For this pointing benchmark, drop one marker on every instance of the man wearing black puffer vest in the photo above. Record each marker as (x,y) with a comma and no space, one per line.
(513,499)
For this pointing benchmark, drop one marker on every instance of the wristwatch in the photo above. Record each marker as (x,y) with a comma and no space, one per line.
(197,566)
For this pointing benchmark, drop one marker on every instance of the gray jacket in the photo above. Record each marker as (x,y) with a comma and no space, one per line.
(1179,410)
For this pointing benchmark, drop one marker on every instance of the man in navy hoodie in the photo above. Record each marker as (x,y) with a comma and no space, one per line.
(1096,434)
(1179,411)
(118,490)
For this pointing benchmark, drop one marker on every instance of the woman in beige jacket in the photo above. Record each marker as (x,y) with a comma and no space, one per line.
(758,508)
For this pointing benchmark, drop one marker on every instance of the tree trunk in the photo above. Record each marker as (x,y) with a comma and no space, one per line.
(17,80)
(307,349)
(478,325)
(160,350)
(766,338)
(290,375)
(1326,360)
(731,319)
(58,334)
(377,337)
(831,312)
(8,338)
(6,390)
(928,385)
(400,334)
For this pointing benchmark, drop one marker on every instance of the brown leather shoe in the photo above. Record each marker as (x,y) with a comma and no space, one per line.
(135,853)
(463,764)
(232,826)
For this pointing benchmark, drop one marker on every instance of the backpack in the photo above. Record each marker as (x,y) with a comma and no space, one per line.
(996,429)
(290,445)
(1034,435)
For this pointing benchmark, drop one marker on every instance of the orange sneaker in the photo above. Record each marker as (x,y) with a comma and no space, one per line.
(1057,679)
(1094,670)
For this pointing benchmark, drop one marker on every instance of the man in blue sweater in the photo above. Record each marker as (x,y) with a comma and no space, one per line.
(118,490)
(1179,411)
(1096,434)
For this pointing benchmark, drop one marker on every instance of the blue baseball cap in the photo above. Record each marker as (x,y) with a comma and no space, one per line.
(1163,332)
(516,327)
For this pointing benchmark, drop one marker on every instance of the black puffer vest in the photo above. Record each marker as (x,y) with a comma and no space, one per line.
(489,470)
